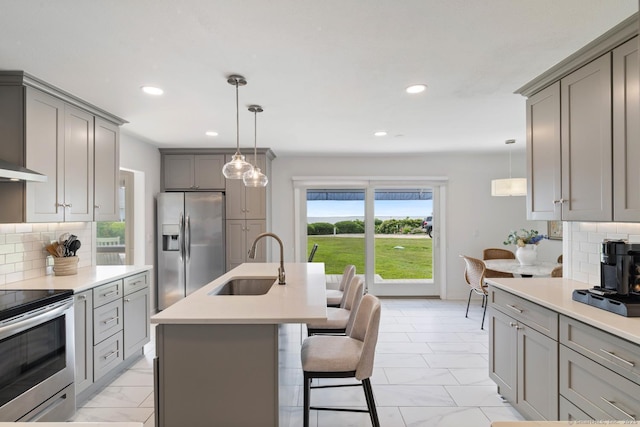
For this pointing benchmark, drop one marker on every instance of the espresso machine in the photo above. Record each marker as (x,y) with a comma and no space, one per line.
(619,290)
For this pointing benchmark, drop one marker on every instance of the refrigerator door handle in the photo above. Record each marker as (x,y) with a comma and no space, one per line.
(181,236)
(187,244)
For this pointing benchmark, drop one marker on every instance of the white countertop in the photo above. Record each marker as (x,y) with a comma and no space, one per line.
(302,300)
(86,278)
(555,294)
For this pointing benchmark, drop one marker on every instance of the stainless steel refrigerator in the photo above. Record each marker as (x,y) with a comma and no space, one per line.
(190,243)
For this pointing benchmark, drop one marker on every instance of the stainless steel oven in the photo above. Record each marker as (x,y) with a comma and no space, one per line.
(36,355)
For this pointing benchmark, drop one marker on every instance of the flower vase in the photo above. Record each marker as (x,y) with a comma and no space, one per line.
(527,254)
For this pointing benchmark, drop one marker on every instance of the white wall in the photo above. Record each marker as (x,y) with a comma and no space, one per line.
(144,158)
(475,220)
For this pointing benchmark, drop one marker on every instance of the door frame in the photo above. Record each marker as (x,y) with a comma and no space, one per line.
(434,288)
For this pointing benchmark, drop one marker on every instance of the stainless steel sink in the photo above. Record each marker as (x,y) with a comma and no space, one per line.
(245,286)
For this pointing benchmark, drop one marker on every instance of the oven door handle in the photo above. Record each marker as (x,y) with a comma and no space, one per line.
(33,318)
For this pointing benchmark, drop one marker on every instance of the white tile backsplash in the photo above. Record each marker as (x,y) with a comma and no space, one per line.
(22,248)
(584,241)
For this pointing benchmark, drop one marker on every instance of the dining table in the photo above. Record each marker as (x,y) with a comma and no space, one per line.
(513,266)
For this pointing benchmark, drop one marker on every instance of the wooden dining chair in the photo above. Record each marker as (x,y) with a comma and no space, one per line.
(474,274)
(496,253)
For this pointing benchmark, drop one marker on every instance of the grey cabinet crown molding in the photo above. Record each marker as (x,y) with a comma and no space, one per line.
(619,34)
(248,152)
(14,78)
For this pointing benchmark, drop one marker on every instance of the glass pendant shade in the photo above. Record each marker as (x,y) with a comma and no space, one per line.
(237,167)
(255,178)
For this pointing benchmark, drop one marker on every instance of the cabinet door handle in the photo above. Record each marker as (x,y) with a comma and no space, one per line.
(617,357)
(60,205)
(514,325)
(631,417)
(81,297)
(127,300)
(113,353)
(96,206)
(113,319)
(514,308)
(68,205)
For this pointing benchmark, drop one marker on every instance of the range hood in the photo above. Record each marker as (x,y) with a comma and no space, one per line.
(12,172)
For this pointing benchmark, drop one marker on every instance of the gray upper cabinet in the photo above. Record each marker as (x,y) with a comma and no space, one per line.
(586,142)
(52,132)
(583,131)
(192,172)
(626,133)
(246,202)
(543,155)
(106,171)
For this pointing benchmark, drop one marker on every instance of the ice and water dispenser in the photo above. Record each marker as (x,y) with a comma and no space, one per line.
(170,237)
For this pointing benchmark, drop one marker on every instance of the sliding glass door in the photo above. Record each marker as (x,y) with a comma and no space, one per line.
(388,233)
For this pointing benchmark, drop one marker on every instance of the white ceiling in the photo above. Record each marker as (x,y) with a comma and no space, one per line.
(327,72)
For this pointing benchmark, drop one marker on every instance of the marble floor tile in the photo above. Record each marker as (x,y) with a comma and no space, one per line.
(474,395)
(384,360)
(429,337)
(119,397)
(393,337)
(474,336)
(420,376)
(472,376)
(455,360)
(115,414)
(134,377)
(502,413)
(388,417)
(444,417)
(465,348)
(412,395)
(403,347)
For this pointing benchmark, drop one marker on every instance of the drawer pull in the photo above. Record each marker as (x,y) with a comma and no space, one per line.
(113,353)
(81,297)
(127,300)
(617,357)
(113,319)
(136,283)
(514,308)
(106,294)
(633,418)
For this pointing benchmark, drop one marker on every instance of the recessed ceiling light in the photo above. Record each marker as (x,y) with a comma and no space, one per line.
(380,133)
(211,133)
(416,88)
(151,90)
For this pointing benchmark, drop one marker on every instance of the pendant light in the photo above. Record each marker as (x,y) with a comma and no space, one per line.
(236,168)
(509,186)
(254,177)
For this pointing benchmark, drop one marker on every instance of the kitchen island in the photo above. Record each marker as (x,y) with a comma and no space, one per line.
(217,354)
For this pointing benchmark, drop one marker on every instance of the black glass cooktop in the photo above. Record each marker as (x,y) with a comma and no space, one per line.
(15,301)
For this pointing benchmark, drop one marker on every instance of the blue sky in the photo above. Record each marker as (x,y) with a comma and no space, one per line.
(386,208)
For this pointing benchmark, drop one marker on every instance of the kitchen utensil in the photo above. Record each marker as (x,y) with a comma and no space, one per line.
(74,246)
(63,237)
(52,249)
(60,250)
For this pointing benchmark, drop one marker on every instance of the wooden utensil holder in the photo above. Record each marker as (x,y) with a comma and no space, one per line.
(65,266)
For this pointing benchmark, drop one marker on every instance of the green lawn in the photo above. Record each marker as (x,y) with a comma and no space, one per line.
(414,261)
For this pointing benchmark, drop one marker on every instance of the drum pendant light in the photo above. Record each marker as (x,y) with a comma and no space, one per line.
(236,168)
(254,177)
(509,186)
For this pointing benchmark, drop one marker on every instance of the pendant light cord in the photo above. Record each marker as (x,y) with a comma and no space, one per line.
(255,138)
(237,120)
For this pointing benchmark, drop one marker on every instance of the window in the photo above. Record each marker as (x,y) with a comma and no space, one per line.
(113,242)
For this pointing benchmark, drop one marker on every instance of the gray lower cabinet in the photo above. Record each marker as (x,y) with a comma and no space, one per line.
(136,312)
(111,327)
(599,372)
(83,321)
(523,354)
(570,412)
